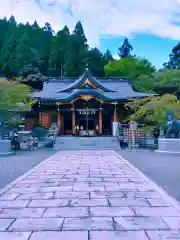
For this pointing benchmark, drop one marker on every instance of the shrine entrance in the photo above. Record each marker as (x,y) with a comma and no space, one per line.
(87,121)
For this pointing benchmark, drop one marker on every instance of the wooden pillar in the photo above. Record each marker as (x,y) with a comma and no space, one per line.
(115,114)
(59,122)
(73,121)
(100,121)
(40,118)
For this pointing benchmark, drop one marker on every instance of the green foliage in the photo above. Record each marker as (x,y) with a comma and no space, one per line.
(167,81)
(129,67)
(153,110)
(14,97)
(58,50)
(24,55)
(96,62)
(108,56)
(76,56)
(28,49)
(174,58)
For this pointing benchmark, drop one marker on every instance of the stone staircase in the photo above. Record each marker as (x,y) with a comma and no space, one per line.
(86,143)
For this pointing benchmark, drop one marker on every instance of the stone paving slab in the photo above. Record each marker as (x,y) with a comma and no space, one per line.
(87,195)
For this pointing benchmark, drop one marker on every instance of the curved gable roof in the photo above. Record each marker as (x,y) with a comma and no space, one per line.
(89,79)
(106,89)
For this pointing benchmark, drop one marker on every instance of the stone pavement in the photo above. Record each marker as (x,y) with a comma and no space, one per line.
(87,195)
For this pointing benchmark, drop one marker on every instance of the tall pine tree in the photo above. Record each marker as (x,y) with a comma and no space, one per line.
(126,49)
(77,55)
(174,58)
(59,48)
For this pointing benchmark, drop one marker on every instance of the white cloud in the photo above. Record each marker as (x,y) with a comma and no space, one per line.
(116,56)
(101,17)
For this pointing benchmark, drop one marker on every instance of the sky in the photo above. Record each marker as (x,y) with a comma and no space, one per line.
(152,26)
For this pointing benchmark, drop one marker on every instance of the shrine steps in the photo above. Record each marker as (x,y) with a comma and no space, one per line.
(86,143)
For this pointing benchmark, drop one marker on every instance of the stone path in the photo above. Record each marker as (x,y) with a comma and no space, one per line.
(86,195)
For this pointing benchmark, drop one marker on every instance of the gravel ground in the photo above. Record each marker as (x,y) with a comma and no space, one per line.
(164,169)
(13,167)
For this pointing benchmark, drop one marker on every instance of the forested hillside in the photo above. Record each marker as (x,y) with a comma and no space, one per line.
(30,54)
(26,49)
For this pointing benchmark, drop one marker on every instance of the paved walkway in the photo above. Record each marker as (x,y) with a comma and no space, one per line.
(87,195)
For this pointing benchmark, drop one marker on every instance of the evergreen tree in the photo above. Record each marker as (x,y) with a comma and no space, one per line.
(174,58)
(126,49)
(23,55)
(79,32)
(3,30)
(96,62)
(108,56)
(70,60)
(58,50)
(77,54)
(11,42)
(47,28)
(12,21)
(29,49)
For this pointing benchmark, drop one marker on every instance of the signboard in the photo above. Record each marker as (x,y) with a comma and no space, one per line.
(86,111)
(22,125)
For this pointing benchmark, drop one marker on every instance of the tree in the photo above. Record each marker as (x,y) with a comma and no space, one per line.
(63,54)
(14,98)
(79,32)
(167,81)
(96,62)
(48,29)
(23,55)
(77,55)
(174,58)
(126,49)
(153,110)
(108,56)
(3,30)
(12,21)
(11,42)
(29,69)
(129,67)
(71,68)
(58,50)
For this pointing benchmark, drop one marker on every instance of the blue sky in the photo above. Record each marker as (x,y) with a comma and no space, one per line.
(152,26)
(156,49)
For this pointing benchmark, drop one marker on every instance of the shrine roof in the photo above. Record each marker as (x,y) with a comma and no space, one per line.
(107,89)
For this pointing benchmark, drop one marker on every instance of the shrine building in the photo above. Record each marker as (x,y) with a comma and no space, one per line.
(86,105)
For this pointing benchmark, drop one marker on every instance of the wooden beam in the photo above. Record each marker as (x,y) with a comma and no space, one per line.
(40,118)
(59,122)
(73,121)
(83,98)
(100,122)
(115,114)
